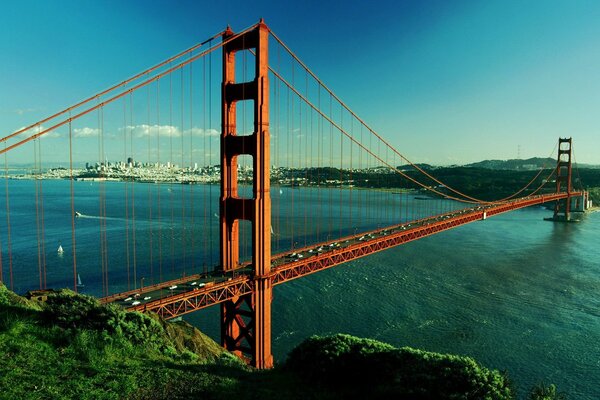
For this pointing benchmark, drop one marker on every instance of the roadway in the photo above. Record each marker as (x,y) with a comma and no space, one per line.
(188,294)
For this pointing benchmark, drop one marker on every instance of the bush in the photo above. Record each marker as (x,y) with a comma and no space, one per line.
(364,366)
(69,310)
(543,392)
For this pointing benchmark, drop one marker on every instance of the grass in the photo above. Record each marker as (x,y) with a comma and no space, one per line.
(71,347)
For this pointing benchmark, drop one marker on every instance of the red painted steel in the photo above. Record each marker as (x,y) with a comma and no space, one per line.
(285,270)
(562,209)
(246,321)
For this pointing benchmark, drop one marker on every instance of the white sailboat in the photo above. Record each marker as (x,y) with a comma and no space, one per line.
(60,249)
(79,283)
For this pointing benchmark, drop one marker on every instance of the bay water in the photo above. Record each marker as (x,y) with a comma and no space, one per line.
(515,292)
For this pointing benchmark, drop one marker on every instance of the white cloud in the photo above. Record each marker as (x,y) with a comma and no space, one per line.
(22,111)
(202,132)
(86,132)
(145,130)
(37,129)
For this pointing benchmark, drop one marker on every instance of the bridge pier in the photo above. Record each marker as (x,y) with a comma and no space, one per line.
(246,321)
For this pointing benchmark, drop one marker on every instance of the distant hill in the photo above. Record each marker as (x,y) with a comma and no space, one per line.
(515,164)
(522,165)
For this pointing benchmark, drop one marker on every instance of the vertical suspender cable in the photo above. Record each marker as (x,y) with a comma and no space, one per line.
(330,190)
(210,187)
(150,186)
(127,183)
(104,239)
(158,191)
(133,227)
(172,172)
(42,219)
(243,130)
(275,133)
(37,212)
(300,161)
(320,151)
(291,156)
(182,191)
(192,170)
(361,166)
(204,165)
(9,239)
(74,247)
(341,221)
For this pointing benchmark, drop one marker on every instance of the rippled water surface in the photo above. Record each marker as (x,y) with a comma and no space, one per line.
(515,292)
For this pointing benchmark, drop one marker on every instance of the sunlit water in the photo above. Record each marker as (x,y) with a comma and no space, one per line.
(514,292)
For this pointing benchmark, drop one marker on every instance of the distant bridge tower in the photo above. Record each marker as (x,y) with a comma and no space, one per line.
(562,208)
(246,320)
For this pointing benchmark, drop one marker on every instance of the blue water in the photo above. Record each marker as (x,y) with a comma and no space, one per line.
(515,292)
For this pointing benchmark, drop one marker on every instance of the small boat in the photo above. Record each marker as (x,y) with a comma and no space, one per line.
(60,249)
(77,214)
(79,283)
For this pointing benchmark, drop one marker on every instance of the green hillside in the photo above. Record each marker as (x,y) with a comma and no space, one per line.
(72,347)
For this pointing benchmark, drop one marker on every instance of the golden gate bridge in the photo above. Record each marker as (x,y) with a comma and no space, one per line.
(273,111)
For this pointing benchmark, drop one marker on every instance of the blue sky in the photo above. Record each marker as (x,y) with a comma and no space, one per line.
(445,82)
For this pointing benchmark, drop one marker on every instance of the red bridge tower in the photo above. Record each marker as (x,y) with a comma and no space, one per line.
(246,320)
(562,208)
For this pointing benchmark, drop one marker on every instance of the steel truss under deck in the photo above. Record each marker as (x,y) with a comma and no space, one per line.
(237,287)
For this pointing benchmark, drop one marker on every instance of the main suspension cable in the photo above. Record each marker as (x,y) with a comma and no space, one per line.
(295,57)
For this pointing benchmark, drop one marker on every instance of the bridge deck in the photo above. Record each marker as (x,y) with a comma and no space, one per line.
(188,294)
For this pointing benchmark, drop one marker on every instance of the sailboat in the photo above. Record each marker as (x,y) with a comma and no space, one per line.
(60,249)
(79,283)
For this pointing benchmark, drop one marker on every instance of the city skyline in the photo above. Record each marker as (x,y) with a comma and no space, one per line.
(493,80)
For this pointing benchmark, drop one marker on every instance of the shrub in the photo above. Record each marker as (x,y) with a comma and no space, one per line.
(543,392)
(72,311)
(370,367)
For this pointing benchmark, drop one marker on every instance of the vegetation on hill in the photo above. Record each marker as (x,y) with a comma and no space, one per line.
(515,164)
(479,182)
(364,368)
(72,347)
